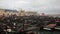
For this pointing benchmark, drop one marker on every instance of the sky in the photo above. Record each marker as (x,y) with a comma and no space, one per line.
(41,6)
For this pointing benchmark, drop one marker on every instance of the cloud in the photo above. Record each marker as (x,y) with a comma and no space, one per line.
(46,6)
(14,4)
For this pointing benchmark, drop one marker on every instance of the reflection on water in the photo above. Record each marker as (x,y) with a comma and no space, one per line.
(48,32)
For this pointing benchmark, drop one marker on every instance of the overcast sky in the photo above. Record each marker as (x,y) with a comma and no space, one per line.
(41,6)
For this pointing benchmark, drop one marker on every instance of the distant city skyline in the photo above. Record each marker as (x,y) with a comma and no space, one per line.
(41,6)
